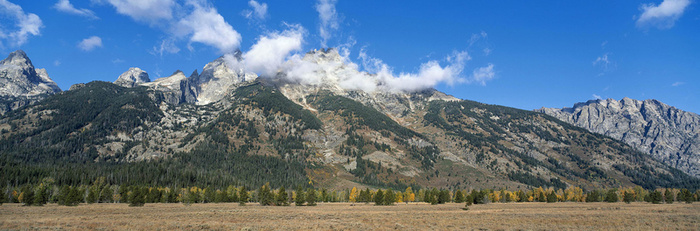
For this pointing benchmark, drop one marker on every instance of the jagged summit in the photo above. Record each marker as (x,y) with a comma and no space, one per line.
(19,78)
(667,133)
(133,77)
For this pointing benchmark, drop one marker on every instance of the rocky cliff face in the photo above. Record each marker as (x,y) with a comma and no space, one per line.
(215,81)
(667,133)
(21,83)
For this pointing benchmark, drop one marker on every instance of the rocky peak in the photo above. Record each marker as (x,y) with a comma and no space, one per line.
(17,58)
(665,132)
(133,77)
(18,78)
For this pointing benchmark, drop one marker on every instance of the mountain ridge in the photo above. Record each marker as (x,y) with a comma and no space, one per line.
(324,134)
(665,132)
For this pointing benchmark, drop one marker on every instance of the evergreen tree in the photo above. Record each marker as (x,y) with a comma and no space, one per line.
(655,197)
(311,197)
(628,197)
(389,197)
(459,197)
(172,195)
(668,196)
(299,198)
(27,195)
(443,196)
(123,194)
(686,196)
(138,196)
(379,197)
(611,196)
(593,196)
(209,195)
(552,197)
(106,194)
(242,196)
(3,194)
(92,195)
(281,199)
(41,197)
(324,195)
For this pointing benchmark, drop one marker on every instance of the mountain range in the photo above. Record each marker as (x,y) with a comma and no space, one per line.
(227,126)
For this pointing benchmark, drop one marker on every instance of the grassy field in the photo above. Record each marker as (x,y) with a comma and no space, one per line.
(343,216)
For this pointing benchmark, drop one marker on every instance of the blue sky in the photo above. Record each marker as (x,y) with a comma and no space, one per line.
(523,54)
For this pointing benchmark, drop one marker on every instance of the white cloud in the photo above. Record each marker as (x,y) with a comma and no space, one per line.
(90,43)
(664,15)
(483,74)
(597,97)
(25,24)
(676,84)
(67,7)
(259,11)
(196,21)
(117,60)
(268,54)
(487,51)
(207,26)
(148,11)
(329,19)
(57,62)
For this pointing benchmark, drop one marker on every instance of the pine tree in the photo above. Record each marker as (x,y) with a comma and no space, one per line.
(281,199)
(379,197)
(668,196)
(611,196)
(628,197)
(242,196)
(552,197)
(3,195)
(655,197)
(106,194)
(92,195)
(311,197)
(27,195)
(686,196)
(172,195)
(299,198)
(41,197)
(459,197)
(138,196)
(209,195)
(389,197)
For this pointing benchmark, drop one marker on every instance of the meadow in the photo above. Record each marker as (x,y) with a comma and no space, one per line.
(358,216)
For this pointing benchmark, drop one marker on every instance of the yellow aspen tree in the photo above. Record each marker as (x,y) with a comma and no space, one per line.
(409,196)
(353,195)
(399,197)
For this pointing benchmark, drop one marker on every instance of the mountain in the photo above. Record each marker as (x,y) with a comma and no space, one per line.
(21,84)
(666,133)
(132,77)
(224,127)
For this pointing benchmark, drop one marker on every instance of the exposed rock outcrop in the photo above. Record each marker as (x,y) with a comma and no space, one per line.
(667,133)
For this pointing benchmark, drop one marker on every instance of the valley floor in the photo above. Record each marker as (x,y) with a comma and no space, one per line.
(414,216)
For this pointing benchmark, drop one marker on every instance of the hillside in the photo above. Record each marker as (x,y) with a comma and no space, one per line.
(287,134)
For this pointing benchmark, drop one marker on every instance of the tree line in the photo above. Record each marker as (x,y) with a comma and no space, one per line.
(47,191)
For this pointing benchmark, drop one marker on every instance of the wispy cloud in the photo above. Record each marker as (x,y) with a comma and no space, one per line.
(604,63)
(329,19)
(597,97)
(90,43)
(676,84)
(483,74)
(663,16)
(25,24)
(259,11)
(66,7)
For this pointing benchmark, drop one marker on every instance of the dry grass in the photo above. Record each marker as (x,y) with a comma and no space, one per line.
(527,216)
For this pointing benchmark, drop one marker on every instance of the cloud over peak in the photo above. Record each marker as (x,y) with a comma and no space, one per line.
(329,19)
(664,15)
(207,26)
